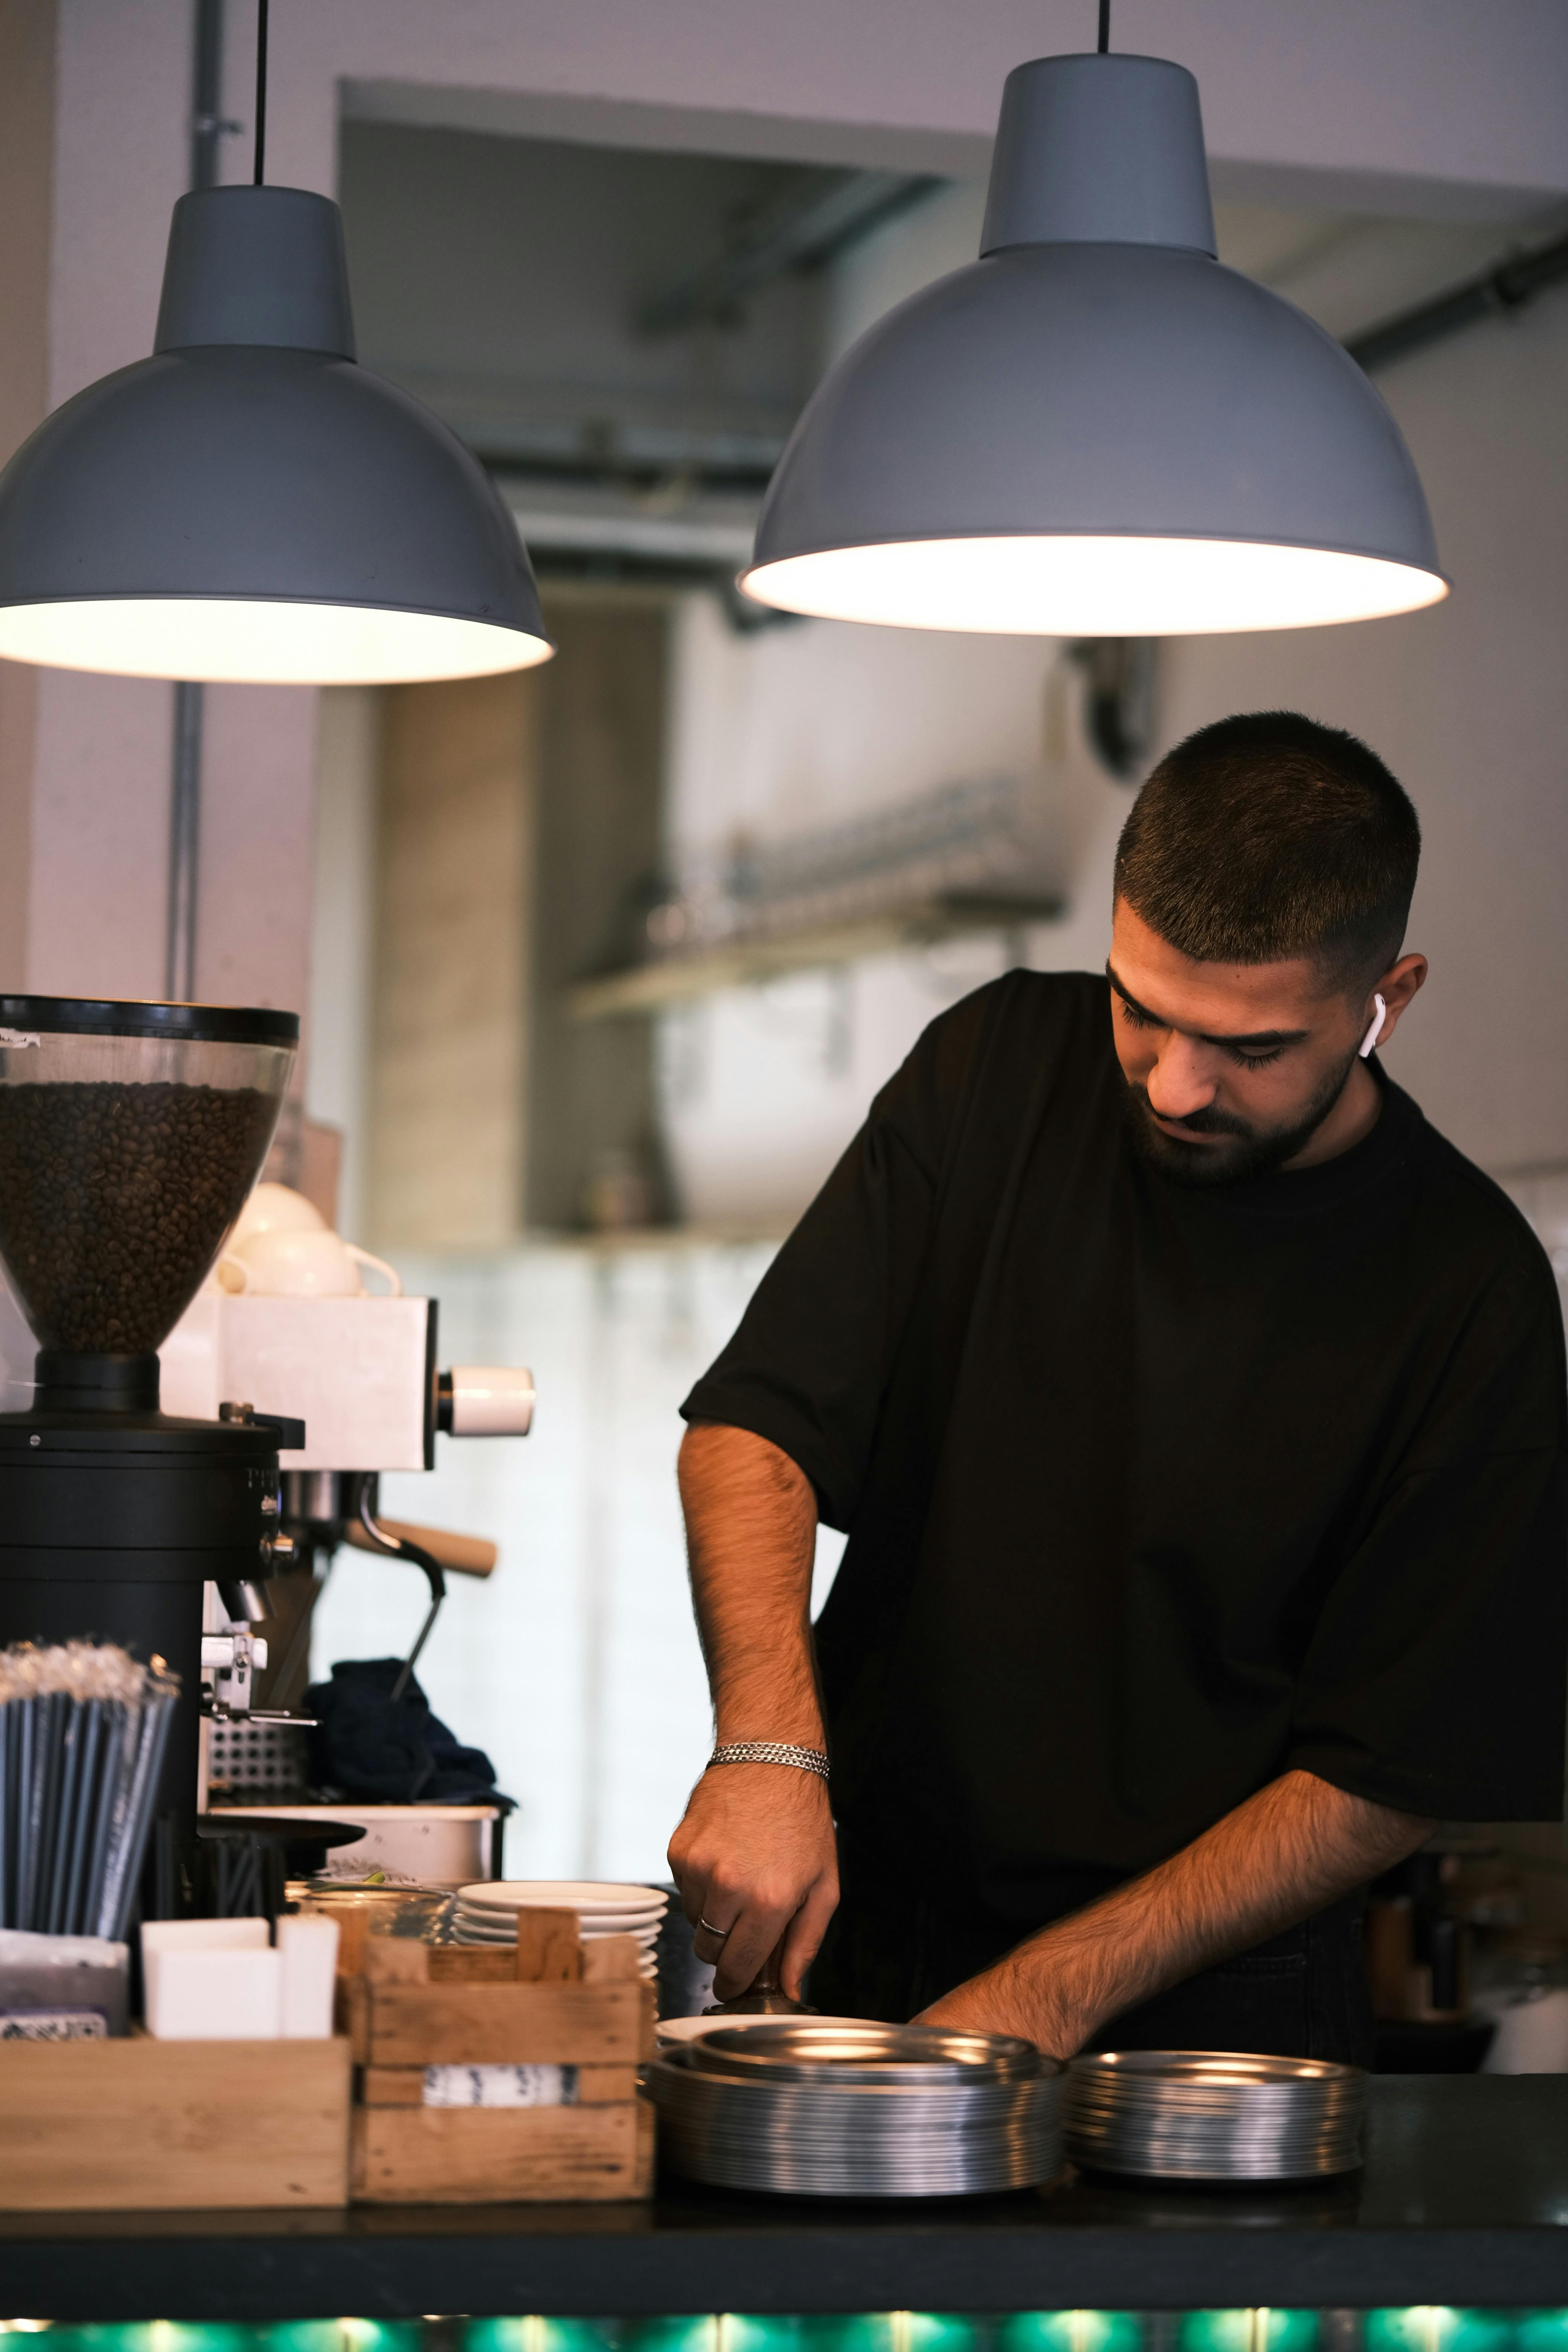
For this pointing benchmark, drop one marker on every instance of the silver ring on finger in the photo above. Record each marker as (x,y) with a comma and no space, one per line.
(709,1929)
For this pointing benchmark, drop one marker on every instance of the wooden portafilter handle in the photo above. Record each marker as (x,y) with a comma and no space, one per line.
(464,1555)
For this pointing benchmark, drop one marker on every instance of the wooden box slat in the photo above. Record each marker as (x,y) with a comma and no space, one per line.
(506,2025)
(497,2155)
(94,2126)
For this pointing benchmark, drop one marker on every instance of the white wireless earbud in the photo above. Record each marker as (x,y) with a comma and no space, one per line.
(1373,1035)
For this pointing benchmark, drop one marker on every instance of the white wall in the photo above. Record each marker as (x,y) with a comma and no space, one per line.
(814,721)
(761,1087)
(793,728)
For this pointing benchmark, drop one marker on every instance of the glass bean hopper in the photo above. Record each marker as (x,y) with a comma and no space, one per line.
(129,1138)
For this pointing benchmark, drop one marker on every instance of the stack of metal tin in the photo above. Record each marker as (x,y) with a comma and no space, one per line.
(1205,2115)
(816,2108)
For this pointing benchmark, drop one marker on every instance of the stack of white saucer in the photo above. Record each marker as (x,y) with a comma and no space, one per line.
(485,1912)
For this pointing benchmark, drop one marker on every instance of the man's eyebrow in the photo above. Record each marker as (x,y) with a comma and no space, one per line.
(1256,1041)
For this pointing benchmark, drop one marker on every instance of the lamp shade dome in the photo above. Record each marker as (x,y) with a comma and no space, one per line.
(249,503)
(1096,429)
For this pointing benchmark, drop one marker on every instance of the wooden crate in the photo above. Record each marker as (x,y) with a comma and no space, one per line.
(89,2127)
(546,2003)
(406,2155)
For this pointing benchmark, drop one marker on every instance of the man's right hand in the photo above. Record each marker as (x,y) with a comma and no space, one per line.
(754,1854)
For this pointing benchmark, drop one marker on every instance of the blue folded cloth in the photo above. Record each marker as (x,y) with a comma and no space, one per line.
(365,1743)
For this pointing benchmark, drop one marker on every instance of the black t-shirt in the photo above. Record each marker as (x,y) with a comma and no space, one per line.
(1154,1492)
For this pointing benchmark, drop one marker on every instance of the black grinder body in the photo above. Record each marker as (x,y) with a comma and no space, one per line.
(111,1522)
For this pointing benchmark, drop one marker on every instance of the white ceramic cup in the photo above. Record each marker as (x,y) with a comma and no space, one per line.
(277,1209)
(300,1265)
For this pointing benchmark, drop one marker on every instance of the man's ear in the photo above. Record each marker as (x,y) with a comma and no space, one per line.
(1397,989)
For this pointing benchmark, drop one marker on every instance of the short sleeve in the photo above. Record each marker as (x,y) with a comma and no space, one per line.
(809,1365)
(1435,1679)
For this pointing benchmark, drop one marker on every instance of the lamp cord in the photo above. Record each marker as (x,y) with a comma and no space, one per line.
(260,171)
(1104,30)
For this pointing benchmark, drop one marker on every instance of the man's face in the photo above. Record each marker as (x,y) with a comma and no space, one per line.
(1231,1068)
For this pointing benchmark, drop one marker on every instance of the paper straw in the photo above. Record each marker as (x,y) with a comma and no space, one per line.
(157,1716)
(7,1798)
(15,1729)
(60,1843)
(56,1710)
(131,1761)
(32,1800)
(82,1818)
(127,1780)
(118,1736)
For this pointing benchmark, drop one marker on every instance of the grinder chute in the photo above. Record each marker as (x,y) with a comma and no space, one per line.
(130,1135)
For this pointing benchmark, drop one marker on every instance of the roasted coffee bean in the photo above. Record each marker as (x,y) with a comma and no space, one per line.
(115,1199)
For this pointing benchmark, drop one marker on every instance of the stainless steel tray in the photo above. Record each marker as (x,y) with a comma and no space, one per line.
(811,2110)
(1214,2115)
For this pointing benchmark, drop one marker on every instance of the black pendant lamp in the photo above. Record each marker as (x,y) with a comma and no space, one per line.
(1095,430)
(248,504)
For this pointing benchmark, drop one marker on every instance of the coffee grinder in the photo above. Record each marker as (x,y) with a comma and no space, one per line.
(130,1137)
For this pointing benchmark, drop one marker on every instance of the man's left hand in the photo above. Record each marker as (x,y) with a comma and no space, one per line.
(1012,1999)
(1297,1845)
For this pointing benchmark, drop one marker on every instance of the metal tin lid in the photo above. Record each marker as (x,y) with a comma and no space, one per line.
(223,1025)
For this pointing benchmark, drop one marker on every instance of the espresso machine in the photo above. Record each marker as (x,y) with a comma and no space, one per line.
(354,1378)
(130,1135)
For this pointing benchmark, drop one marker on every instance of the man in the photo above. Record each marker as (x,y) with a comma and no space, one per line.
(1197,1413)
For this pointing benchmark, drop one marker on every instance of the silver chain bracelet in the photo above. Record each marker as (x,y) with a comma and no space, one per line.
(772,1751)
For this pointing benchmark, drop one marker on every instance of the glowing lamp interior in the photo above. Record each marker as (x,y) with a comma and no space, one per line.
(1065,586)
(255,641)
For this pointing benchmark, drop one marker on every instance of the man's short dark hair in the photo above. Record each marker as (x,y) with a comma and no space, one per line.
(1267,837)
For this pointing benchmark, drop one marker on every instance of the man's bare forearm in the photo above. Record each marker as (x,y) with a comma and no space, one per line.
(753,1855)
(751,1528)
(1297,1845)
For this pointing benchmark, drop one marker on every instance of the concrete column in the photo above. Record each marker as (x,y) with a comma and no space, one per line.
(454,845)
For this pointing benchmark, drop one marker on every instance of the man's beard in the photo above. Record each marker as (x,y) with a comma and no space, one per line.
(1248,1152)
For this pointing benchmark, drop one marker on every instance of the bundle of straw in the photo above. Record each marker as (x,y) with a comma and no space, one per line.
(82,1733)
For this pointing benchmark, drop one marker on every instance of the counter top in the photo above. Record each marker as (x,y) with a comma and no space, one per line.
(1463,2199)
